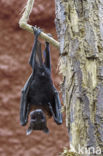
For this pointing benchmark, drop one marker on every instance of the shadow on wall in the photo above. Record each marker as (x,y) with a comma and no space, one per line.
(15,49)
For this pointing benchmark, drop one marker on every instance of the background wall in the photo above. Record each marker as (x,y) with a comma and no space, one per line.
(15,49)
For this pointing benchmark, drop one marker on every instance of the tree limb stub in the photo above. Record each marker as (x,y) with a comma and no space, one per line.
(24,25)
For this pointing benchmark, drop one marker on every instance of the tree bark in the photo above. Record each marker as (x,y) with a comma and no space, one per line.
(79,25)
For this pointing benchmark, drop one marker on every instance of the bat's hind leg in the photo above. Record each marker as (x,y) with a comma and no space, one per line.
(47,61)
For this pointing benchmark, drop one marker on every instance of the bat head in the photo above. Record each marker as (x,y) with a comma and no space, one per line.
(37,121)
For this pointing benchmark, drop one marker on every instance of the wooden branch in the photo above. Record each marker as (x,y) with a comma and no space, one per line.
(24,25)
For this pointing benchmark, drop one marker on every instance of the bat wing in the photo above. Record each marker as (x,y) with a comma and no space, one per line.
(34,58)
(56,107)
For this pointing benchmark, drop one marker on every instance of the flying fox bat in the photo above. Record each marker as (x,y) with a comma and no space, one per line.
(39,97)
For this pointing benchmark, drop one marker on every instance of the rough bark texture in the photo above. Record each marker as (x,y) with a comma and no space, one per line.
(79,27)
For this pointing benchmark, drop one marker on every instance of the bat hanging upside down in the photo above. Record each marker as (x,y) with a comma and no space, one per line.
(39,97)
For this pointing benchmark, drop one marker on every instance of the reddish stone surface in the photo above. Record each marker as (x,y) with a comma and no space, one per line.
(15,49)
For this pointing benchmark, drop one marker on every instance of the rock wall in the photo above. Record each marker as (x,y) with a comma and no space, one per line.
(15,49)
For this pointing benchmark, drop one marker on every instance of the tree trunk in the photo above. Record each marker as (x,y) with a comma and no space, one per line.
(79,25)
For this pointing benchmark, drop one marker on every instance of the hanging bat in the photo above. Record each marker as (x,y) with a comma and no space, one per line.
(39,97)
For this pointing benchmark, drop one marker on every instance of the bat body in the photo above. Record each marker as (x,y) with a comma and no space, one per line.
(39,96)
